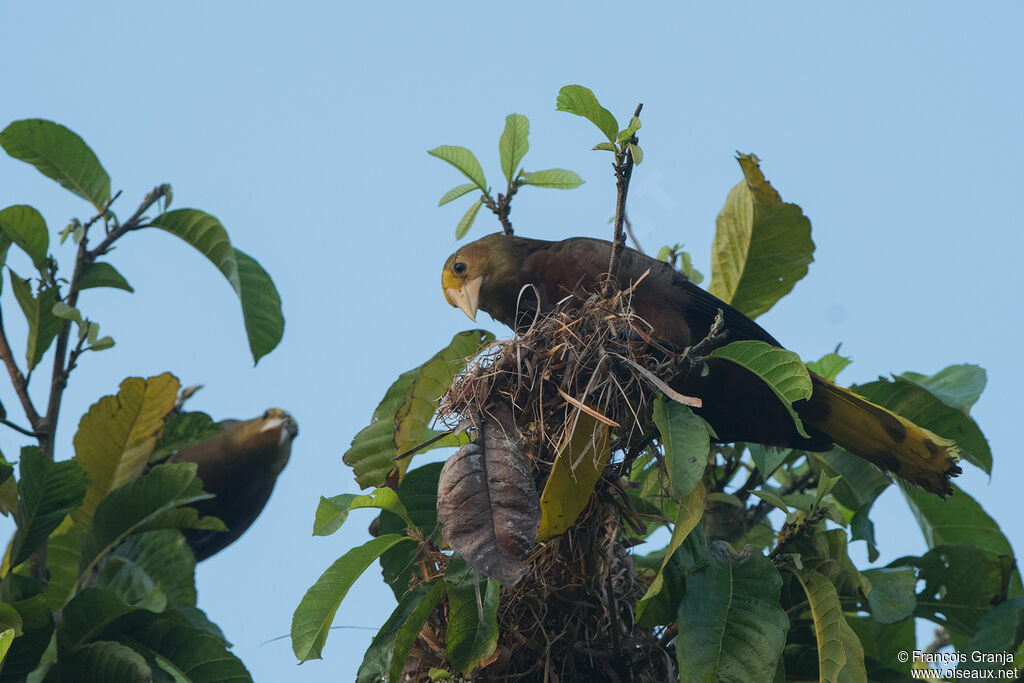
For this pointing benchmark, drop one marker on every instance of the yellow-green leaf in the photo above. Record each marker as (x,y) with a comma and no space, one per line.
(513,144)
(464,160)
(840,653)
(456,192)
(578,466)
(556,178)
(579,100)
(466,222)
(762,245)
(116,436)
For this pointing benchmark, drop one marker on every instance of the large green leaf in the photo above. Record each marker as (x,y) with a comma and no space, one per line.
(26,228)
(36,625)
(919,405)
(385,657)
(160,558)
(829,366)
(60,154)
(153,501)
(883,644)
(578,465)
(554,178)
(472,633)
(206,235)
(892,597)
(261,306)
(6,639)
(513,144)
(959,386)
(762,245)
(840,653)
(47,492)
(961,583)
(782,370)
(313,617)
(687,444)
(1001,630)
(431,380)
(690,511)
(117,435)
(63,553)
(861,481)
(43,325)
(581,101)
(959,519)
(418,494)
(94,614)
(373,450)
(332,512)
(104,661)
(184,429)
(190,655)
(731,627)
(101,274)
(462,159)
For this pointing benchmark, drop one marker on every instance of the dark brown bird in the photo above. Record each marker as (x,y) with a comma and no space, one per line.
(495,273)
(240,467)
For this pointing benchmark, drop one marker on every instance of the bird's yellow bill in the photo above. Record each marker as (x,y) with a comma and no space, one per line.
(466,298)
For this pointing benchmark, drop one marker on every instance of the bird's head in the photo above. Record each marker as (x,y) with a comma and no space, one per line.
(476,265)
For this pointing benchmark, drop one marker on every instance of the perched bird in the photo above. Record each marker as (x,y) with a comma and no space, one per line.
(239,466)
(509,277)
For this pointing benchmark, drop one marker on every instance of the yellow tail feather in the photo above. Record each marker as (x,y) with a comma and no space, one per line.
(882,437)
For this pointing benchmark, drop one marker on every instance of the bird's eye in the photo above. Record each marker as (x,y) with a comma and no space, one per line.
(459,267)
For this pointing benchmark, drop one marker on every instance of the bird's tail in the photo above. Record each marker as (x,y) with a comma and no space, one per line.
(882,437)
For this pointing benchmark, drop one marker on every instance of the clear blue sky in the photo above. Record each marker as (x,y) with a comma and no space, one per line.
(304,127)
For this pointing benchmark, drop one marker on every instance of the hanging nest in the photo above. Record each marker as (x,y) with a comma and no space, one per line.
(566,609)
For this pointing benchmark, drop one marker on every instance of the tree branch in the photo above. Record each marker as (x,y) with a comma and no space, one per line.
(17,379)
(85,258)
(623,172)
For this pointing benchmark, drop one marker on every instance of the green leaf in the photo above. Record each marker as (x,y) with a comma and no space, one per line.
(93,614)
(261,306)
(466,222)
(117,435)
(636,153)
(464,160)
(187,653)
(829,366)
(43,325)
(418,493)
(313,617)
(959,519)
(101,344)
(37,628)
(767,458)
(892,597)
(6,638)
(472,633)
(60,154)
(919,405)
(63,553)
(557,178)
(205,233)
(104,661)
(689,513)
(686,442)
(372,452)
(882,646)
(26,228)
(513,144)
(731,627)
(581,101)
(160,557)
(101,274)
(782,370)
(430,381)
(605,146)
(47,492)
(861,481)
(386,656)
(184,429)
(629,131)
(958,386)
(772,499)
(840,654)
(580,460)
(961,583)
(1000,630)
(153,501)
(456,192)
(762,245)
(331,513)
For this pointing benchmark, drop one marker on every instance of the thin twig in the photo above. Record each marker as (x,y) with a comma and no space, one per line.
(623,172)
(629,231)
(503,206)
(17,379)
(17,428)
